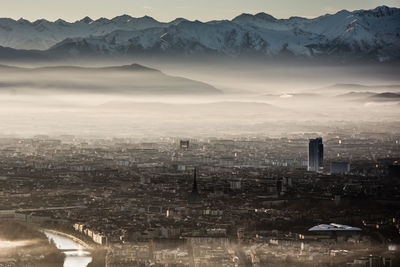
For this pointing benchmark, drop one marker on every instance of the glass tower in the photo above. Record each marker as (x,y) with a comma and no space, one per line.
(315,154)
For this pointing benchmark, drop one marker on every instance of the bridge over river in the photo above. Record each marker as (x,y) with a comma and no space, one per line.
(77,252)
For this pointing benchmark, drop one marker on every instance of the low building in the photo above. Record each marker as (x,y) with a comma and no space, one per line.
(340,167)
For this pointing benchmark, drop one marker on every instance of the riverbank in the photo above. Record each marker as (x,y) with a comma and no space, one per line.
(21,245)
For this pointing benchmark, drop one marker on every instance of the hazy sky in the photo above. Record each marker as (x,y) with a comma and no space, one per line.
(166,10)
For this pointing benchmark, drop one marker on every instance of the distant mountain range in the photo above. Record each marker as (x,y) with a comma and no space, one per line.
(371,96)
(357,88)
(132,79)
(386,97)
(231,109)
(372,35)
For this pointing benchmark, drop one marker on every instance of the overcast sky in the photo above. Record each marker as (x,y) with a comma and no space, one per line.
(166,10)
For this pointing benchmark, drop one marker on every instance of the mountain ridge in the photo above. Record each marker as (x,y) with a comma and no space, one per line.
(361,34)
(133,79)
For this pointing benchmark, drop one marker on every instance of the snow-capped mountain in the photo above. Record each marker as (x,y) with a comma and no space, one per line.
(366,34)
(42,34)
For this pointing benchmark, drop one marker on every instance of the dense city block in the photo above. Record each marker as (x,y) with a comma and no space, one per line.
(245,201)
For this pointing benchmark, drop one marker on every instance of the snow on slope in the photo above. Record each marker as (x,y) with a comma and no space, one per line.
(42,34)
(223,37)
(363,33)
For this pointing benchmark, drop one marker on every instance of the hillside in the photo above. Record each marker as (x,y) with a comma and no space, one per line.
(127,79)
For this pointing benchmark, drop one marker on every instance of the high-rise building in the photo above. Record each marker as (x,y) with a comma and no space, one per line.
(315,154)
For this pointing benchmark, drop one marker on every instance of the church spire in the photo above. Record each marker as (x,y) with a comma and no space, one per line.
(195,191)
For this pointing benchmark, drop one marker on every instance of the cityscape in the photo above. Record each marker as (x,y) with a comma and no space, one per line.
(188,134)
(210,202)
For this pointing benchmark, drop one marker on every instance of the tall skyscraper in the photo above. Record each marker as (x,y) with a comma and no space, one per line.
(315,154)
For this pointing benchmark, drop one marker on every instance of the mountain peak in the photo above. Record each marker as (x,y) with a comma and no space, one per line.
(23,21)
(243,15)
(134,67)
(147,17)
(123,18)
(102,20)
(383,10)
(379,11)
(257,19)
(265,16)
(86,20)
(177,21)
(39,21)
(61,22)
(343,12)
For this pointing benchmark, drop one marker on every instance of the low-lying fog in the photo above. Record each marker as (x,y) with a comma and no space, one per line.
(211,99)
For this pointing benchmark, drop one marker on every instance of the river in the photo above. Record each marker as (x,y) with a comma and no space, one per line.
(76,256)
